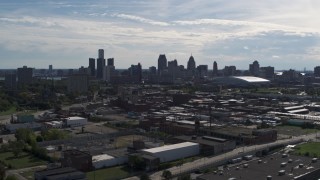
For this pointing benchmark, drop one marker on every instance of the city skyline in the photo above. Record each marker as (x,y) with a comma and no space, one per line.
(283,34)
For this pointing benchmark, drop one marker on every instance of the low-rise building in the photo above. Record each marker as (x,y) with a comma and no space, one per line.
(75,121)
(77,159)
(173,152)
(65,173)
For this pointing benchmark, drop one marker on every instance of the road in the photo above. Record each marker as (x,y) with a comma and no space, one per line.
(16,172)
(207,161)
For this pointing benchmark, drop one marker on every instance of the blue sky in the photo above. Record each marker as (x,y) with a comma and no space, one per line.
(280,33)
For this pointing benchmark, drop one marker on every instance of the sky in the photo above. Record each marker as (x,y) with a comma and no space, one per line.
(280,33)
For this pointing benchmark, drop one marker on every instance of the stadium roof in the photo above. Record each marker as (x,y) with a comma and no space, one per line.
(250,79)
(240,80)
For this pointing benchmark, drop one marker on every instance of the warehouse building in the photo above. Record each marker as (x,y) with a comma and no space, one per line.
(208,145)
(173,152)
(105,160)
(75,121)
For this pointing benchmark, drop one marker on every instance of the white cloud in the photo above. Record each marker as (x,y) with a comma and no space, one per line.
(141,19)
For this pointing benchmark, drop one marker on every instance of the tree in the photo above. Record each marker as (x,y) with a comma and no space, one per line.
(184,177)
(25,135)
(144,176)
(2,172)
(54,134)
(166,174)
(11,177)
(137,162)
(16,147)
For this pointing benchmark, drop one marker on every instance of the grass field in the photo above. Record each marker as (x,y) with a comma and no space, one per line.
(24,160)
(311,149)
(294,130)
(118,172)
(8,112)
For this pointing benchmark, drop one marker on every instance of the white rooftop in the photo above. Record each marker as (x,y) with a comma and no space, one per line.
(170,147)
(101,157)
(75,118)
(251,79)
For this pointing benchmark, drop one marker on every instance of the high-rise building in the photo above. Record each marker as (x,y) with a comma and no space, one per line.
(136,72)
(101,63)
(152,70)
(267,72)
(316,71)
(110,62)
(215,69)
(173,68)
(92,66)
(10,81)
(50,69)
(162,63)
(254,68)
(191,64)
(108,72)
(229,70)
(25,75)
(101,54)
(202,70)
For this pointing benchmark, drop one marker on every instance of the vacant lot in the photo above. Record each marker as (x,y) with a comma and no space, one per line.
(294,130)
(24,160)
(308,149)
(124,141)
(118,172)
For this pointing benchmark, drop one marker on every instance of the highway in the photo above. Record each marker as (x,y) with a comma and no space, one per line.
(210,161)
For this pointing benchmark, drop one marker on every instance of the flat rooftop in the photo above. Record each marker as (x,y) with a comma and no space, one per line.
(269,166)
(101,157)
(170,147)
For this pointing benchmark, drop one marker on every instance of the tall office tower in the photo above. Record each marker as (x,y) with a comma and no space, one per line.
(92,66)
(110,62)
(267,72)
(25,75)
(50,69)
(10,81)
(139,72)
(215,69)
(101,54)
(173,68)
(162,63)
(230,70)
(316,71)
(202,70)
(254,68)
(191,64)
(152,70)
(136,72)
(101,63)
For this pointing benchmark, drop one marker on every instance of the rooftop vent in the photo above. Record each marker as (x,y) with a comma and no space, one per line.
(284,164)
(284,155)
(314,160)
(281,172)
